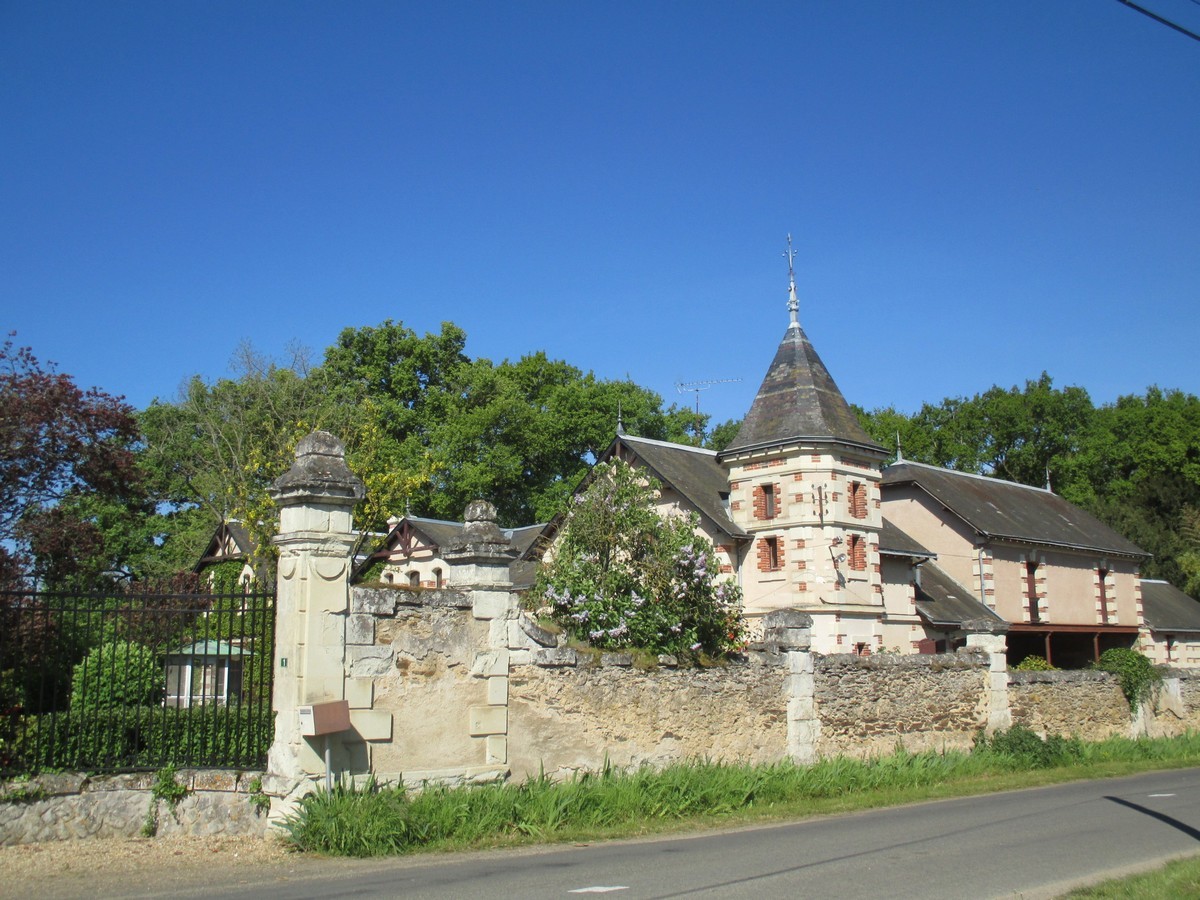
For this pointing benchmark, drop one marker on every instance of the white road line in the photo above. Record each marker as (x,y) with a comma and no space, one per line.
(600,889)
(1160,795)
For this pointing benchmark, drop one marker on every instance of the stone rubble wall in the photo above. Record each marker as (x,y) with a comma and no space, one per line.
(1080,702)
(1183,715)
(73,806)
(602,709)
(869,705)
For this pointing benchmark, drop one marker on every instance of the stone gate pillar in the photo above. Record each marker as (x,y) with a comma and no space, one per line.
(316,499)
(990,637)
(481,556)
(788,632)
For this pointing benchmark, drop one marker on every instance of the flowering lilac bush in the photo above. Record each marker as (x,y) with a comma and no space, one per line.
(624,576)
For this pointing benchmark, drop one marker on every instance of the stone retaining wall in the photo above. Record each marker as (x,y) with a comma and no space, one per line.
(64,807)
(869,705)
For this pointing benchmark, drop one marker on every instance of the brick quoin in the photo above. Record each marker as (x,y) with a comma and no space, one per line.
(799,476)
(775,462)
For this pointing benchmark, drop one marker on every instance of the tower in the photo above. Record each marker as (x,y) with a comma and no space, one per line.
(804,483)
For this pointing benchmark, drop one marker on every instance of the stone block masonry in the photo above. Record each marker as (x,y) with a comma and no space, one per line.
(75,806)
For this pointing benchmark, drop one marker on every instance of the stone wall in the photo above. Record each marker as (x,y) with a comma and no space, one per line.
(420,651)
(1186,687)
(1081,702)
(869,705)
(601,708)
(64,807)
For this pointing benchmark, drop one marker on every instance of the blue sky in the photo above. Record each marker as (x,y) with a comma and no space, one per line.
(977,192)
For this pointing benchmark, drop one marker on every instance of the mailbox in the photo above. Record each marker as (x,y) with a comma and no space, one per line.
(324,718)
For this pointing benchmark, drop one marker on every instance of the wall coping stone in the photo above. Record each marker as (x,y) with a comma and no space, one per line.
(384,600)
(536,632)
(1062,676)
(962,659)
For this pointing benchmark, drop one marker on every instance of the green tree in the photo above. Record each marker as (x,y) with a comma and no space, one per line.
(624,576)
(116,674)
(213,453)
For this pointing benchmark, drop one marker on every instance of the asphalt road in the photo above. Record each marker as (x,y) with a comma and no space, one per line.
(1032,843)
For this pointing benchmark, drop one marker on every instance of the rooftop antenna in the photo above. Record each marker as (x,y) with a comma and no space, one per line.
(697,386)
(620,421)
(793,301)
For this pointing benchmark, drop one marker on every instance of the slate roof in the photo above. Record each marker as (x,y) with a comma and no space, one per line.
(1007,511)
(440,532)
(942,601)
(798,400)
(895,542)
(210,648)
(693,471)
(1167,608)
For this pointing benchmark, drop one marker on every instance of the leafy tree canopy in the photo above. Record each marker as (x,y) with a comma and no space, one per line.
(64,454)
(1135,463)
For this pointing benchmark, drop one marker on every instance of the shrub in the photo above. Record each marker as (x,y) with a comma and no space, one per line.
(1034,664)
(116,674)
(1027,749)
(1139,678)
(625,576)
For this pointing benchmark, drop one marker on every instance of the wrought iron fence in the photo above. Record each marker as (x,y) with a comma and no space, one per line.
(125,681)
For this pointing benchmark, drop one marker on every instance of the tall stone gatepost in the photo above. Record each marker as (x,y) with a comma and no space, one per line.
(316,499)
(481,556)
(989,636)
(788,632)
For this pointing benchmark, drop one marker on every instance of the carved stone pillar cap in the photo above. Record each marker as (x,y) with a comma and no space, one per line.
(320,470)
(480,536)
(985,625)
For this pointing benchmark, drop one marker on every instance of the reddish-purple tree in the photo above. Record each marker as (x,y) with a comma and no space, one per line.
(58,444)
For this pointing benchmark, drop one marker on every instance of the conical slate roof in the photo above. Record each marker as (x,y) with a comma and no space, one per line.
(798,400)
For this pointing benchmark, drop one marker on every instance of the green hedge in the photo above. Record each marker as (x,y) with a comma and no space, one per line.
(144,738)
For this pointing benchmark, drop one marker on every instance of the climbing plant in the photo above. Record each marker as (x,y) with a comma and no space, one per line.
(1139,678)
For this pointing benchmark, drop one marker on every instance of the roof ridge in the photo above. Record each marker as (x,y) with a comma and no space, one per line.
(992,479)
(671,444)
(437,521)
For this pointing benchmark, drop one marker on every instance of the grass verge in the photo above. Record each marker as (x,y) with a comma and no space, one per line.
(1179,879)
(382,820)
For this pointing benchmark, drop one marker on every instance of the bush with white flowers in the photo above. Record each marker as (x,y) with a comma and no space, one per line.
(623,576)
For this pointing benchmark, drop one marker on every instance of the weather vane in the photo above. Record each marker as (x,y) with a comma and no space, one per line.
(793,301)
